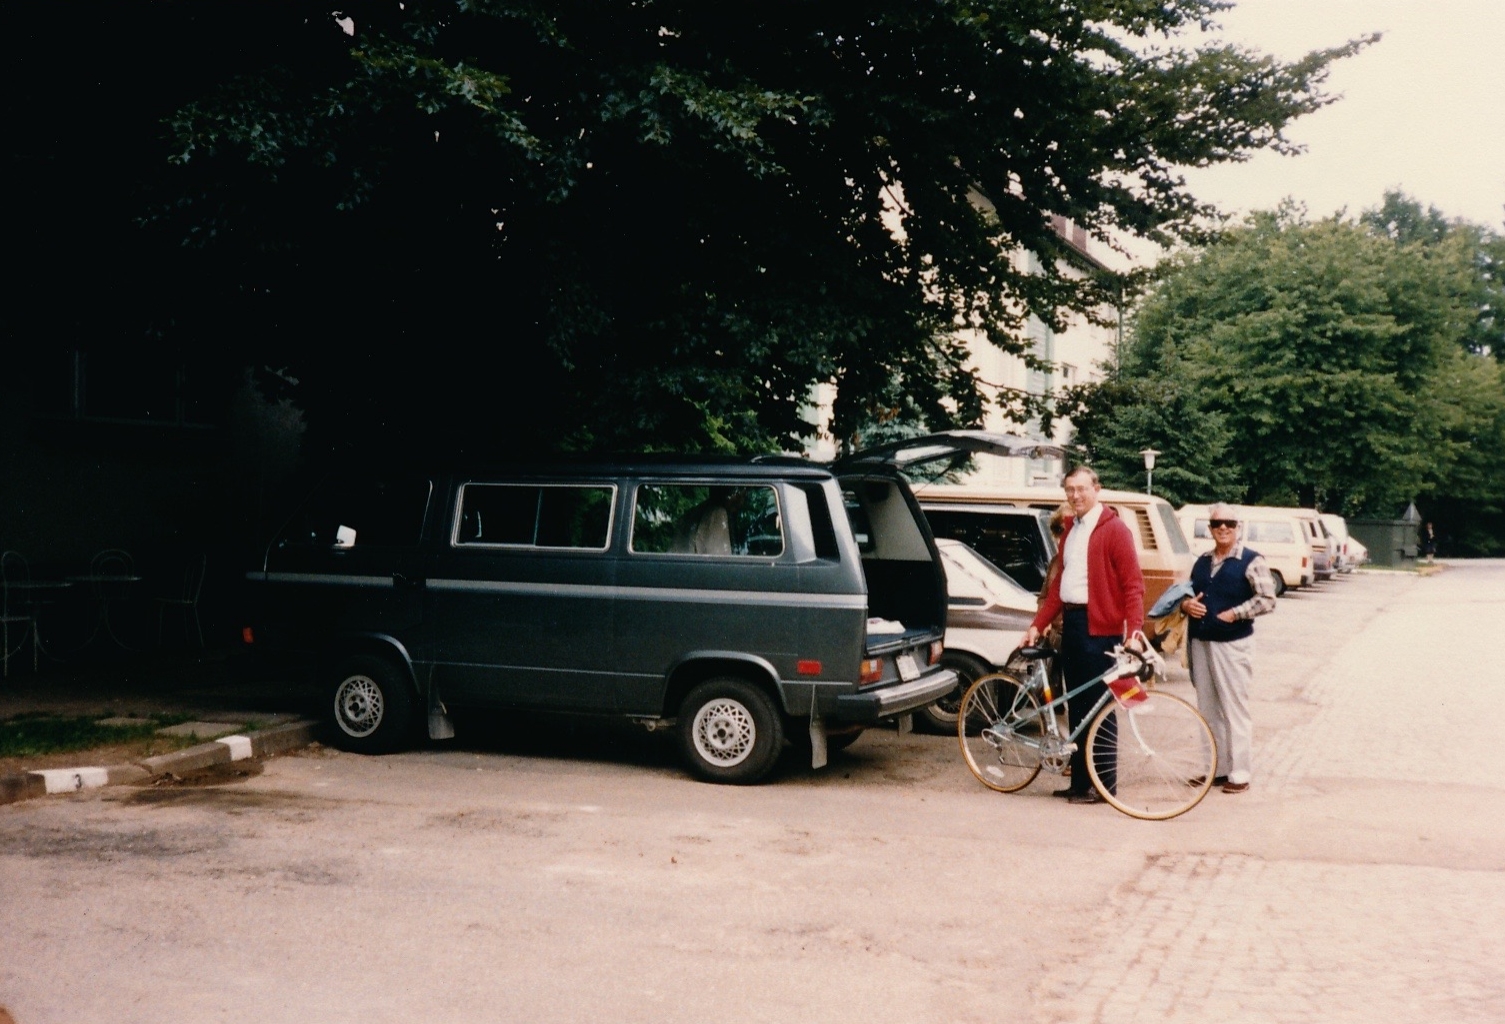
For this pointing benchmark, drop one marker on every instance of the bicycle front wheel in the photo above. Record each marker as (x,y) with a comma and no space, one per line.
(1153,759)
(1000,728)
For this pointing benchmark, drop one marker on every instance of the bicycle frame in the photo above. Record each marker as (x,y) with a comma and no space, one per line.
(1125,662)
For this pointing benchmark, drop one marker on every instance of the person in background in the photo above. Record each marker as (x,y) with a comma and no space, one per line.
(1057,525)
(1099,594)
(1428,543)
(1232,586)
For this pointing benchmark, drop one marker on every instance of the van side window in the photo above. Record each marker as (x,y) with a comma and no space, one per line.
(694,519)
(862,529)
(536,515)
(820,522)
(371,512)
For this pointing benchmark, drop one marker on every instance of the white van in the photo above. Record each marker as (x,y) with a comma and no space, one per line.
(1273,532)
(1337,528)
(1322,545)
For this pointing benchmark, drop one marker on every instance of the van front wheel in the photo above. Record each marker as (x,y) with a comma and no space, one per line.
(730,731)
(370,705)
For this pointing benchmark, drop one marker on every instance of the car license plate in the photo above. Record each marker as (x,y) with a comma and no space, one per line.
(908,670)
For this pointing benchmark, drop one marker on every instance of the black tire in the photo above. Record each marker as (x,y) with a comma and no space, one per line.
(842,740)
(1280,582)
(370,705)
(730,731)
(940,717)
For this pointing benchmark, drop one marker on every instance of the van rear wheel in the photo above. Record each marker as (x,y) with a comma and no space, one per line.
(370,705)
(1280,582)
(730,731)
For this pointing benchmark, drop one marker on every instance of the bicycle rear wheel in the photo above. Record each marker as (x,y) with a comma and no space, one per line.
(1153,759)
(999,726)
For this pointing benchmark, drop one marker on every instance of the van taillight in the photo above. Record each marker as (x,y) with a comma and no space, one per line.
(871,671)
(936,647)
(1303,562)
(247,636)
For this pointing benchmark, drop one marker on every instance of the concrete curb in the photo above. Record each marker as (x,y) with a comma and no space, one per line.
(277,739)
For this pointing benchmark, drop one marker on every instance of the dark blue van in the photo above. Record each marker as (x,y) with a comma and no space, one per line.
(740,602)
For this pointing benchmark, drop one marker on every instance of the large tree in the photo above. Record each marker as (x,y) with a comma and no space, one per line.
(611,224)
(1339,358)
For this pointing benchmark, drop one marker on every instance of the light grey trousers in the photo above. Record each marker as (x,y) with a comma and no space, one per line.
(1222,672)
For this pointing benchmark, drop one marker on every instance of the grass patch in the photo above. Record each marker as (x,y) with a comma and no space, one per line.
(39,734)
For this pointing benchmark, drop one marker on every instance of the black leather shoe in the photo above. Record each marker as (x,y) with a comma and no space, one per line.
(1089,797)
(1217,780)
(1064,793)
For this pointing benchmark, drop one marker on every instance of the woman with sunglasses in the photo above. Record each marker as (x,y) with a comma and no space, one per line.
(1232,586)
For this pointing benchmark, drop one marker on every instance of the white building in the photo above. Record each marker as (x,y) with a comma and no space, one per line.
(1077,355)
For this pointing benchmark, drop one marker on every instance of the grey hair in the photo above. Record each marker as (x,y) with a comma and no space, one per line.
(1223,510)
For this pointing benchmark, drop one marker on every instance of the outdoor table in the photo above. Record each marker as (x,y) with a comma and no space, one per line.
(108,588)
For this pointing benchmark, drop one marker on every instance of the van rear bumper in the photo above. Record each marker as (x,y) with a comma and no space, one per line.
(872,705)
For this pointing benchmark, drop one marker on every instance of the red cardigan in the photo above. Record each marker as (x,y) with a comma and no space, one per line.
(1115,586)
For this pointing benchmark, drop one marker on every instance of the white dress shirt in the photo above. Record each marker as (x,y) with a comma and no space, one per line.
(1074,557)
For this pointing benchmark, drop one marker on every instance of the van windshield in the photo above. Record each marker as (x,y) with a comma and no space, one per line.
(1270,533)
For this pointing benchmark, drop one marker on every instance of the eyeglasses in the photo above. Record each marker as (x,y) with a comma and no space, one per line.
(1223,524)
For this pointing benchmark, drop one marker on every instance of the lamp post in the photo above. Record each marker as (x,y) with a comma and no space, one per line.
(1149,469)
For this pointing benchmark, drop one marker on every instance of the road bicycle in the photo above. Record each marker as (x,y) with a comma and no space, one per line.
(1151,754)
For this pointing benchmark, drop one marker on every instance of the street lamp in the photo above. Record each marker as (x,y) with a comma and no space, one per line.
(1149,469)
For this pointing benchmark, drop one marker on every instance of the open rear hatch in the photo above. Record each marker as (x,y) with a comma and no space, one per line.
(906,583)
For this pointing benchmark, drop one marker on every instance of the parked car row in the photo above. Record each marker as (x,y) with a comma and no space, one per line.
(1301,545)
(741,603)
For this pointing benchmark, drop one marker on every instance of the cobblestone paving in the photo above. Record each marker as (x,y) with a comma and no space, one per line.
(1413,695)
(1420,657)
(1229,938)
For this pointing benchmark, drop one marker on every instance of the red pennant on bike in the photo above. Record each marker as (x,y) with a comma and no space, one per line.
(1129,691)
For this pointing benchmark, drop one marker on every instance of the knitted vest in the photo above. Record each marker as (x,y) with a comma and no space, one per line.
(1228,589)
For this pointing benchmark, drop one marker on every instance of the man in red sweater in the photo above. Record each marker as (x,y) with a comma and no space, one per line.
(1099,594)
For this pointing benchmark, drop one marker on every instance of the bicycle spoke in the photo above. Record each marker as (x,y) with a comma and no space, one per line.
(1153,759)
(999,728)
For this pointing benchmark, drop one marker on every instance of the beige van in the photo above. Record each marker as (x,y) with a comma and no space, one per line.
(1164,555)
(1276,533)
(1323,546)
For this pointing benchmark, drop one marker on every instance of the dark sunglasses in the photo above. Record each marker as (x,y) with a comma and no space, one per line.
(1222,524)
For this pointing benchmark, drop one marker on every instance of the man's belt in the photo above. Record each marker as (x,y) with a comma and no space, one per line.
(1073,607)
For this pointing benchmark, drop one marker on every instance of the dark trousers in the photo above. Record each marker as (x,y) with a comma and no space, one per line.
(1082,657)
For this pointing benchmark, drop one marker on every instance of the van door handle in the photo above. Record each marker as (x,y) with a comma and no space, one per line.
(402,582)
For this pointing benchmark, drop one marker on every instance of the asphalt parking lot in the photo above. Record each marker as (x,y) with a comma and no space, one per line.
(557,872)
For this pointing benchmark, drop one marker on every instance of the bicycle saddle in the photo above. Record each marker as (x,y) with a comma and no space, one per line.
(1032,653)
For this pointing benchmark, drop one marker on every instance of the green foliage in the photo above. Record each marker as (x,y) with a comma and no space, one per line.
(1401,218)
(33,735)
(504,226)
(1328,364)
(1119,418)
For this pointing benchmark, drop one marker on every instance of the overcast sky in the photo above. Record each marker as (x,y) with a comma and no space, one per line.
(1423,109)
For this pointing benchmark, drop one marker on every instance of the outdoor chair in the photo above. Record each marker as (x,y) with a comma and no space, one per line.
(16,608)
(187,600)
